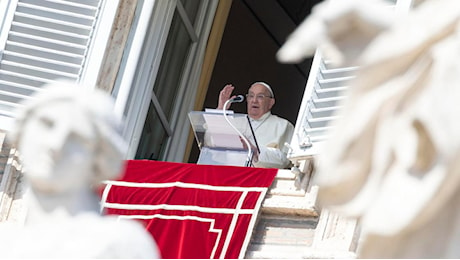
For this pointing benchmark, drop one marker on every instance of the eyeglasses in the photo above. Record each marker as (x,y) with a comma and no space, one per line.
(259,97)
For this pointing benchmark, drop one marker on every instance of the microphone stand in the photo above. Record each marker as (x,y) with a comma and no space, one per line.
(250,153)
(253,134)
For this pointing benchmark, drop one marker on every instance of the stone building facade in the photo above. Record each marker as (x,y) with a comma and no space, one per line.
(291,223)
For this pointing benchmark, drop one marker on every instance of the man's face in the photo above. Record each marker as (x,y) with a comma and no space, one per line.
(259,101)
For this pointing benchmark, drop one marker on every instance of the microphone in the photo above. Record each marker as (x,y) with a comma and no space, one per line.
(237,99)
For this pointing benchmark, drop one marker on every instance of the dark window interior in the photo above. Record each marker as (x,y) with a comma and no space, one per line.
(254,32)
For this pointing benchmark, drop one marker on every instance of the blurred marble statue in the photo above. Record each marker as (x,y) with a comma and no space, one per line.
(393,160)
(69,141)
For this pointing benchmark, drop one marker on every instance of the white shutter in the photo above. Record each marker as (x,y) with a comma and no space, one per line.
(326,88)
(329,90)
(43,40)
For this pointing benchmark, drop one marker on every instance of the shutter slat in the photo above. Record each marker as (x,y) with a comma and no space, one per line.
(42,32)
(40,62)
(77,3)
(38,72)
(4,111)
(326,102)
(323,112)
(17,78)
(22,89)
(49,44)
(320,121)
(66,6)
(32,50)
(80,2)
(64,26)
(41,12)
(23,78)
(330,92)
(337,72)
(8,101)
(11,96)
(333,82)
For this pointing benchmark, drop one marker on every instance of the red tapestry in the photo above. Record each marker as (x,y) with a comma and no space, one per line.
(192,211)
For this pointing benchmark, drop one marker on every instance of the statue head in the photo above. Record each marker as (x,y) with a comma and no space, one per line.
(68,137)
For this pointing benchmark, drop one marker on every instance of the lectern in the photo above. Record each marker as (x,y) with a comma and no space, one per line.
(221,139)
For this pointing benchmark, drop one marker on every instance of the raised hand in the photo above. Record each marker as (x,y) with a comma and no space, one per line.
(224,95)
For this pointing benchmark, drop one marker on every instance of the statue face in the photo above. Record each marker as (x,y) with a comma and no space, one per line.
(57,147)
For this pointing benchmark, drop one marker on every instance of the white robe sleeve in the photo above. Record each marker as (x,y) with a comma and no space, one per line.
(272,158)
(272,136)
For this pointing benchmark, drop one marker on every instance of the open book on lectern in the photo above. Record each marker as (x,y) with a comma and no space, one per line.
(219,142)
